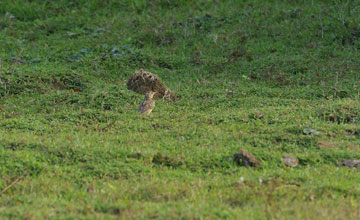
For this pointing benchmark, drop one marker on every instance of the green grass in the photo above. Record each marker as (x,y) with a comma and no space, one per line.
(252,75)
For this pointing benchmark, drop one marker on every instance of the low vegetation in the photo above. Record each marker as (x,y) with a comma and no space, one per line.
(273,78)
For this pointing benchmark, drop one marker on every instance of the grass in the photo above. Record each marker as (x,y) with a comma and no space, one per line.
(252,75)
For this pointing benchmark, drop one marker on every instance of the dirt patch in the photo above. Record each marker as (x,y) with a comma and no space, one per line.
(327,144)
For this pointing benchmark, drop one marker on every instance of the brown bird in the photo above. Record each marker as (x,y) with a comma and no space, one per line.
(148,104)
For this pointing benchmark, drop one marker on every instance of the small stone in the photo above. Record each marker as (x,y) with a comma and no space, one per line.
(310,131)
(290,161)
(182,138)
(351,163)
(245,158)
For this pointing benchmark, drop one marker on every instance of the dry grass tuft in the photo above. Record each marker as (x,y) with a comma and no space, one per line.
(142,82)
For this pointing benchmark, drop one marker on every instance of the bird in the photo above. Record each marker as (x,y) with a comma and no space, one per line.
(148,104)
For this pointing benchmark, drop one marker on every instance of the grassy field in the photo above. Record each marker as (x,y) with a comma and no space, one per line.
(252,75)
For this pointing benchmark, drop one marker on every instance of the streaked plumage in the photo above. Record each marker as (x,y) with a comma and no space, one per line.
(148,104)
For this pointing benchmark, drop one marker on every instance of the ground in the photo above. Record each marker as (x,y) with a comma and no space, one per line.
(271,77)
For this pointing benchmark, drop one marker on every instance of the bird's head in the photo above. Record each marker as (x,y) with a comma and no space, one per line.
(149,95)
